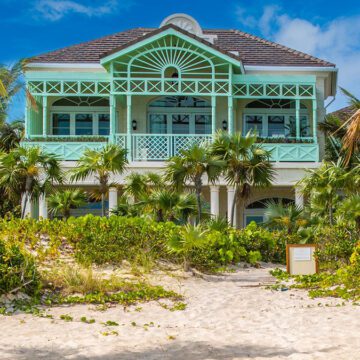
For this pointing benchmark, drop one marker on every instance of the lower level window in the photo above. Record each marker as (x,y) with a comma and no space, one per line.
(61,124)
(83,124)
(256,218)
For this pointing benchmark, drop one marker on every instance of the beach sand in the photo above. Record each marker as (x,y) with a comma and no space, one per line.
(227,317)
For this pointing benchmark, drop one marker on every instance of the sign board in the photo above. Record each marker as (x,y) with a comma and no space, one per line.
(300,259)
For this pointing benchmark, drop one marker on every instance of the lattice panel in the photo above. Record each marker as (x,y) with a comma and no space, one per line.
(147,147)
(185,142)
(120,140)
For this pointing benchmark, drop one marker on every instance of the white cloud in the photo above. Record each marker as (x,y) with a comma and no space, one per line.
(337,41)
(54,10)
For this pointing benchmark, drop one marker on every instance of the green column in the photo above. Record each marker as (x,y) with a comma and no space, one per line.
(213,114)
(314,109)
(297,118)
(128,126)
(44,115)
(112,118)
(230,115)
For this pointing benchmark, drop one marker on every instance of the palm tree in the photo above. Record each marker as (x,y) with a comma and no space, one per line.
(10,135)
(325,185)
(171,205)
(62,201)
(11,83)
(288,217)
(189,238)
(190,167)
(247,164)
(111,159)
(28,172)
(350,209)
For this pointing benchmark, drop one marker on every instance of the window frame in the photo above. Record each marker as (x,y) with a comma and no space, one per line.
(265,113)
(73,111)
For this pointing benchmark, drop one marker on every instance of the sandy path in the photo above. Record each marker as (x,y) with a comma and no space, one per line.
(225,318)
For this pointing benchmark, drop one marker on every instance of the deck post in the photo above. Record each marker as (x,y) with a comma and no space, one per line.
(314,109)
(128,126)
(45,115)
(297,118)
(214,200)
(112,100)
(230,115)
(213,115)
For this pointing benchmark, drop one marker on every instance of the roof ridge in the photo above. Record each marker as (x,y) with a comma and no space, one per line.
(279,46)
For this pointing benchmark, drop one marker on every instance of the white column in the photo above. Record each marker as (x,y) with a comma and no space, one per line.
(113,199)
(112,117)
(28,208)
(297,118)
(128,126)
(43,210)
(213,115)
(299,198)
(230,198)
(214,200)
(230,115)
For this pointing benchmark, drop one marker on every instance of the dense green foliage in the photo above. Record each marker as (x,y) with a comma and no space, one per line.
(17,270)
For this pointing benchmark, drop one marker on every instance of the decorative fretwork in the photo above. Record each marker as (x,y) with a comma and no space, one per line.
(275,91)
(71,87)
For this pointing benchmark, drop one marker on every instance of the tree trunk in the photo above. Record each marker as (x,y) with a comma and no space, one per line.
(159,216)
(186,264)
(102,204)
(24,205)
(28,188)
(233,206)
(66,214)
(331,218)
(198,186)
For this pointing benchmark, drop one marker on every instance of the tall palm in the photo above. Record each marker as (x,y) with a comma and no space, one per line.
(247,164)
(62,201)
(11,83)
(351,139)
(111,159)
(10,135)
(28,172)
(190,167)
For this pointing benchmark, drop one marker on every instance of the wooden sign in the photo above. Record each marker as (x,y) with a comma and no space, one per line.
(300,259)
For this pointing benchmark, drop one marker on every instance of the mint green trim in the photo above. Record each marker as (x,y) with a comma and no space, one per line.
(163,34)
(64,75)
(154,147)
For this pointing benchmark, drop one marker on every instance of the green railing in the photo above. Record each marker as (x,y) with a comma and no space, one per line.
(160,147)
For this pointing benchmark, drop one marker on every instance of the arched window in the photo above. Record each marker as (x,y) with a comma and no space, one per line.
(275,118)
(179,115)
(80,115)
(256,210)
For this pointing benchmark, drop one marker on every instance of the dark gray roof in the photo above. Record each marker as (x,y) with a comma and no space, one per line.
(252,50)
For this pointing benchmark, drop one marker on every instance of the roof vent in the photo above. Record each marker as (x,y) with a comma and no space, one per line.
(184,22)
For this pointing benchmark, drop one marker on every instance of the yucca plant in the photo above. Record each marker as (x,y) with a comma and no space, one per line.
(62,201)
(189,238)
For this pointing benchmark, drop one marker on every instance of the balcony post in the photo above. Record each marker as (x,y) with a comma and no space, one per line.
(213,115)
(45,115)
(27,120)
(297,118)
(112,100)
(230,115)
(128,126)
(214,200)
(314,108)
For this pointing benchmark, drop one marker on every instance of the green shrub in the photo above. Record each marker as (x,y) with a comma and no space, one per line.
(17,270)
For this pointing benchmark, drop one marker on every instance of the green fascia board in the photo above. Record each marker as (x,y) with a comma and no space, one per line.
(281,79)
(104,61)
(72,76)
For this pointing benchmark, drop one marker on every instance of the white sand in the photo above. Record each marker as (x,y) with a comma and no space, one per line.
(225,318)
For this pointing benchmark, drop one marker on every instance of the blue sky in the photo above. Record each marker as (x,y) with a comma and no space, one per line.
(324,28)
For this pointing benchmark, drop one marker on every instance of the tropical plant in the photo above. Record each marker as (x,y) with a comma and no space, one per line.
(62,201)
(28,172)
(171,205)
(349,209)
(190,167)
(220,224)
(190,238)
(10,135)
(11,83)
(325,185)
(287,217)
(247,164)
(110,159)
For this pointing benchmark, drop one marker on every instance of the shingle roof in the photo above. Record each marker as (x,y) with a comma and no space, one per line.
(344,113)
(252,50)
